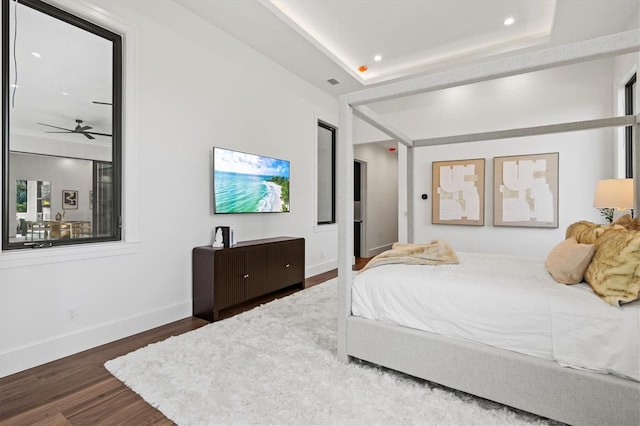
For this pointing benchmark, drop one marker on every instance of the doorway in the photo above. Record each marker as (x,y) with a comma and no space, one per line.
(359,205)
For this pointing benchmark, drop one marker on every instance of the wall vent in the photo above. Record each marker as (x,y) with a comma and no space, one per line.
(333,81)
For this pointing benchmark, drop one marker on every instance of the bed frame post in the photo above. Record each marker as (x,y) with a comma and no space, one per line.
(345,221)
(410,195)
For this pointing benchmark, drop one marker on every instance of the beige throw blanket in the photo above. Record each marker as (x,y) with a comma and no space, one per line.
(437,252)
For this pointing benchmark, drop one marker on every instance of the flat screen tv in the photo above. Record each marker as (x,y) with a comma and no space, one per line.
(248,183)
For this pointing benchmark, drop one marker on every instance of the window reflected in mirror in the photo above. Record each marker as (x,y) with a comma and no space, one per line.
(62,129)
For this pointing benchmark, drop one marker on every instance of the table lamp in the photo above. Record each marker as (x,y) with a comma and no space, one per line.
(614,194)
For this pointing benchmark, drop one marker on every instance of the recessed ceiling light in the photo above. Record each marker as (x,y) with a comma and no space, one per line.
(377,58)
(36,54)
(65,93)
(509,21)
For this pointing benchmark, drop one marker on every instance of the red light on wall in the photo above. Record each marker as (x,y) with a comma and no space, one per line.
(392,149)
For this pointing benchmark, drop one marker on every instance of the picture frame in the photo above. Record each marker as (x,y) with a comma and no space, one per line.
(525,190)
(458,192)
(69,199)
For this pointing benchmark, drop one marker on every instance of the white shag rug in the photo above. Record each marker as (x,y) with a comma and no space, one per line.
(276,364)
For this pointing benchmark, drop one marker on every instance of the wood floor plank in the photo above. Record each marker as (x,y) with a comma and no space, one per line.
(109,402)
(16,394)
(78,390)
(55,420)
(39,415)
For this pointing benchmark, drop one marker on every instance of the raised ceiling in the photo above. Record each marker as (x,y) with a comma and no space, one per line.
(315,39)
(413,35)
(321,40)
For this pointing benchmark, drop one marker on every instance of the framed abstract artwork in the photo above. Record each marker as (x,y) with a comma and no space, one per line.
(69,199)
(525,190)
(458,192)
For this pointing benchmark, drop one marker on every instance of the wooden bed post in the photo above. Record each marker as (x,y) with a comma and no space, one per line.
(403,189)
(411,194)
(345,221)
(405,194)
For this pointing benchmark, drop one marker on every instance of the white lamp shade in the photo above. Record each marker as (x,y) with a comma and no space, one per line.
(614,193)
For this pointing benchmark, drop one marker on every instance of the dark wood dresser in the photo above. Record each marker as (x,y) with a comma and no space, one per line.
(223,277)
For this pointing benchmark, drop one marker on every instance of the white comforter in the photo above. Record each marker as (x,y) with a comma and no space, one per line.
(506,302)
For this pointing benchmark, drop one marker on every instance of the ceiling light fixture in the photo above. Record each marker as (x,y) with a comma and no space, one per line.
(509,21)
(36,54)
(363,68)
(377,58)
(65,93)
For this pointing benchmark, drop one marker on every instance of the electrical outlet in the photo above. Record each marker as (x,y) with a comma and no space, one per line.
(73,313)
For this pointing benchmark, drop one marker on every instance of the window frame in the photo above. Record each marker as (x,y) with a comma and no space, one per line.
(116,131)
(629,107)
(334,133)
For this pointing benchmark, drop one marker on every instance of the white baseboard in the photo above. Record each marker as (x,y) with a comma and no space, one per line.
(319,268)
(377,250)
(38,353)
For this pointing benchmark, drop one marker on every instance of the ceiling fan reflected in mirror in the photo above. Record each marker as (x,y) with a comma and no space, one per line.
(83,130)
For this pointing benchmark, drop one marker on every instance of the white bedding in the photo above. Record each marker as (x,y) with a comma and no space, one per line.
(506,302)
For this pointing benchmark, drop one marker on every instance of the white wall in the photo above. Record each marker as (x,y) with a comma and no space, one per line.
(572,93)
(196,87)
(381,197)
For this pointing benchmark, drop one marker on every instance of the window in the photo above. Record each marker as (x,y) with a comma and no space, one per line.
(629,109)
(61,130)
(326,174)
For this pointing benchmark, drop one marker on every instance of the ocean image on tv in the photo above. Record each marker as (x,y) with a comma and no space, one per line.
(247,183)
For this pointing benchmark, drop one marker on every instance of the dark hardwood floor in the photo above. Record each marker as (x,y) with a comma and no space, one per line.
(78,390)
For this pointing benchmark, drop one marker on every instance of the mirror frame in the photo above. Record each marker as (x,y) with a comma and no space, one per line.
(116,146)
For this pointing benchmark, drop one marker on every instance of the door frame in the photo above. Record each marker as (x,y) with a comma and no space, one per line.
(364,250)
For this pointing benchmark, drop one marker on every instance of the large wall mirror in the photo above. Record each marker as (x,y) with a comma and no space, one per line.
(62,103)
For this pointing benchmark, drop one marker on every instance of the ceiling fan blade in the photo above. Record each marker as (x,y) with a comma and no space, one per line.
(87,134)
(96,133)
(78,129)
(55,127)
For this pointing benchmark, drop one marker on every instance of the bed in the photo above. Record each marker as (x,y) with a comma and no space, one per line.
(558,387)
(501,328)
(505,302)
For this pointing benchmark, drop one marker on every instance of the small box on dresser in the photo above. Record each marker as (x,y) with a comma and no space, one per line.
(223,277)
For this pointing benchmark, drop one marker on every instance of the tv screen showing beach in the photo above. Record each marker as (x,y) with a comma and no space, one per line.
(248,183)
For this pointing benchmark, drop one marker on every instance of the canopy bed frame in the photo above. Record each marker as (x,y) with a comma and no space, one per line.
(535,385)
